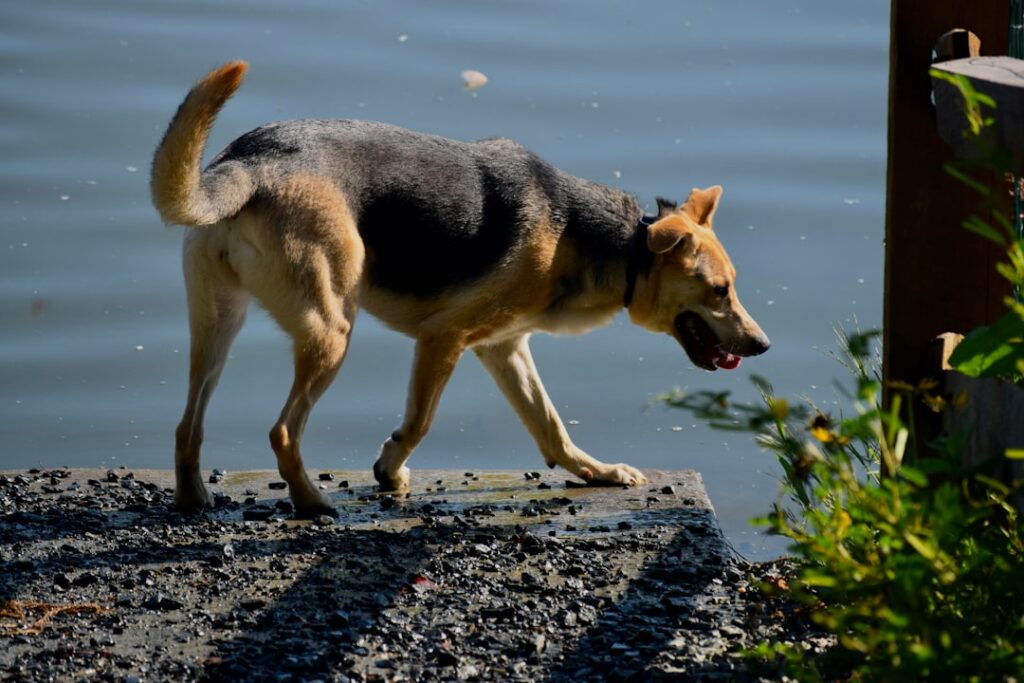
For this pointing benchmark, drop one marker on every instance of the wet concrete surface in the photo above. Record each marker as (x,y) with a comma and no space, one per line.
(487,575)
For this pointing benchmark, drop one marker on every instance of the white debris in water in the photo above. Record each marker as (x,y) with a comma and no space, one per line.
(131,169)
(677,428)
(402,38)
(574,422)
(860,281)
(851,202)
(65,197)
(617,174)
(139,347)
(473,79)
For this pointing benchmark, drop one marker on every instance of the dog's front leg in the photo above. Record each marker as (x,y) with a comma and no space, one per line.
(436,357)
(511,365)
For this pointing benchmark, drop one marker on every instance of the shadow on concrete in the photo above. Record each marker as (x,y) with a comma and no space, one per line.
(308,603)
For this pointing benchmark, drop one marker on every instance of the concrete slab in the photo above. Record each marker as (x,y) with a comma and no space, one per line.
(491,575)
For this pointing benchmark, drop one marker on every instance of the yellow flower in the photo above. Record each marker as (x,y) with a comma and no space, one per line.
(821,429)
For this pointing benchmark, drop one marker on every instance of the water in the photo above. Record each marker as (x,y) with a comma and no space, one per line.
(781,102)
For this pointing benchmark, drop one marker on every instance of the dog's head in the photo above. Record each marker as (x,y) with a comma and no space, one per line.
(690,289)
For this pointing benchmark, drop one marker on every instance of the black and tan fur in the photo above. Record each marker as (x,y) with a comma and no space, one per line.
(459,245)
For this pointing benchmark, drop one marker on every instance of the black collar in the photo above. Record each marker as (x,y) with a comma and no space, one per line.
(639,258)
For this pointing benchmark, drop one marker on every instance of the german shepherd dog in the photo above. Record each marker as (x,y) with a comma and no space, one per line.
(459,245)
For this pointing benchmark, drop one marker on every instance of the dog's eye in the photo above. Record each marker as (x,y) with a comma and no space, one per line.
(721,291)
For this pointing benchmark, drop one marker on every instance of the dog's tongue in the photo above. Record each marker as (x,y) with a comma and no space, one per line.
(726,360)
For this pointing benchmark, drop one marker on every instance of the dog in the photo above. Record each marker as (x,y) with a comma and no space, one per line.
(460,245)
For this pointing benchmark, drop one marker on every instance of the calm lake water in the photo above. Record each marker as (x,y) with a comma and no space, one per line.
(782,102)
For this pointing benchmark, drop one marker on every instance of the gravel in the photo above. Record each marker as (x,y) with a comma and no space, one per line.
(486,577)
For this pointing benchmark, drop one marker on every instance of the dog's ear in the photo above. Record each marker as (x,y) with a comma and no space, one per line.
(665,234)
(702,204)
(665,206)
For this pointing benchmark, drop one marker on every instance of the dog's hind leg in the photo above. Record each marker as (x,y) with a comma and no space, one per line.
(216,307)
(307,275)
(320,347)
(512,367)
(436,357)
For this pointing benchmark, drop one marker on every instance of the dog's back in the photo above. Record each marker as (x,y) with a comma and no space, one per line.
(433,213)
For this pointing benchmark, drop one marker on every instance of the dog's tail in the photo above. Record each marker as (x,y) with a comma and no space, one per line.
(180,193)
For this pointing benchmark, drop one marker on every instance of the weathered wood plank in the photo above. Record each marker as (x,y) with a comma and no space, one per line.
(988,411)
(1002,79)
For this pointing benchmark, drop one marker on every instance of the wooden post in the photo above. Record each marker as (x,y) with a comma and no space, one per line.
(938,276)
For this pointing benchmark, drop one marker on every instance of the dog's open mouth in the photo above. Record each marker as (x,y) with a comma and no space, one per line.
(702,344)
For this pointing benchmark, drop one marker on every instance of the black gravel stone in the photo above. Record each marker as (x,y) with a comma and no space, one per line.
(257,514)
(163,603)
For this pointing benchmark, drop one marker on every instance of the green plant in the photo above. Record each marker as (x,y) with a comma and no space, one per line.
(917,570)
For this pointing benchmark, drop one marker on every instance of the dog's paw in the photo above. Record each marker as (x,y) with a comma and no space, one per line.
(192,497)
(392,482)
(312,505)
(614,475)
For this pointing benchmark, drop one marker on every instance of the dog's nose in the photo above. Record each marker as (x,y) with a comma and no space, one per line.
(759,345)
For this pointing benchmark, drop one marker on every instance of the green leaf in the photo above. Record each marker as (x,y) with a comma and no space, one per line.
(991,351)
(920,546)
(980,227)
(967,180)
(819,580)
(914,476)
